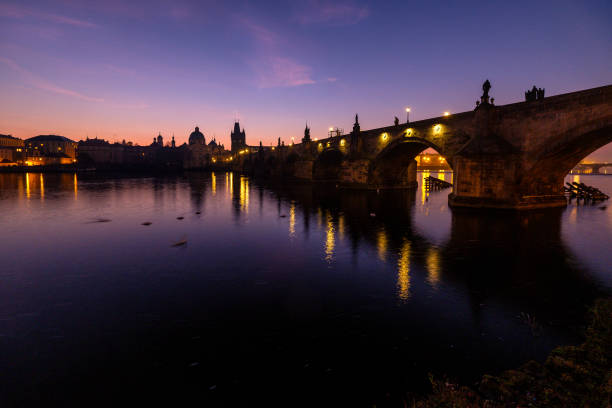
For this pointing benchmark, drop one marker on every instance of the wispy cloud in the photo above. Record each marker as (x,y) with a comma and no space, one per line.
(264,36)
(272,67)
(41,83)
(19,12)
(283,72)
(332,13)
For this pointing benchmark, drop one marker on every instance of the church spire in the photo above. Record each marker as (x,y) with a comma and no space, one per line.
(356,127)
(306,137)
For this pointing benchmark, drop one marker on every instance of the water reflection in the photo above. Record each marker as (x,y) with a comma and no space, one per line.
(292,220)
(403,272)
(393,277)
(381,245)
(433,266)
(244,194)
(27,180)
(496,252)
(330,239)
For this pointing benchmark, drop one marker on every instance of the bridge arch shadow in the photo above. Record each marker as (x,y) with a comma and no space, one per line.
(553,162)
(395,165)
(327,165)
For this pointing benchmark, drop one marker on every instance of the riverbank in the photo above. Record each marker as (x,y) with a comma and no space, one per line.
(571,376)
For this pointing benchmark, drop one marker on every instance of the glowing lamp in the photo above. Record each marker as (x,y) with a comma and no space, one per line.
(446,113)
(384,136)
(409,132)
(342,142)
(437,128)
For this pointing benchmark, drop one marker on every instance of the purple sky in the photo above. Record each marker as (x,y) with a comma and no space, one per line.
(129,69)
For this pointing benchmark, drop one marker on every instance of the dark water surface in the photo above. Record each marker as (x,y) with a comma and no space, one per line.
(302,296)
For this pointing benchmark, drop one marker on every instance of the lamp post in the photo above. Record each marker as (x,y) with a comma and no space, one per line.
(407,115)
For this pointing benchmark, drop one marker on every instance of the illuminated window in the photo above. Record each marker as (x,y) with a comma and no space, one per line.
(342,142)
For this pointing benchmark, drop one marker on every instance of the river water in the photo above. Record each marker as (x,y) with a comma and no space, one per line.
(284,296)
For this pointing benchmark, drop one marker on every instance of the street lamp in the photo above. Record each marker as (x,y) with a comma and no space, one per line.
(407,115)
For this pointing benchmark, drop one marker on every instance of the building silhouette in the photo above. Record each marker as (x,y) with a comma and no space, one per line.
(238,138)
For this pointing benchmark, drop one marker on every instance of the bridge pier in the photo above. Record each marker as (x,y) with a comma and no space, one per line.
(496,182)
(303,169)
(354,173)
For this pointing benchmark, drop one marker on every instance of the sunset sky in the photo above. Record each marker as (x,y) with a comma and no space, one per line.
(129,69)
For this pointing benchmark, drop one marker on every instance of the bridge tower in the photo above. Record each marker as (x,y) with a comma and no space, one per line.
(238,138)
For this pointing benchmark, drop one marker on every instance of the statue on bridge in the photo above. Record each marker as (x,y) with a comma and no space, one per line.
(536,94)
(486,86)
(396,121)
(306,137)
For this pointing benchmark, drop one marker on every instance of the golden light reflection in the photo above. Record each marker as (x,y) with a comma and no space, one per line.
(244,194)
(576,178)
(403,272)
(231,184)
(76,189)
(292,220)
(433,266)
(213,184)
(42,187)
(424,192)
(381,245)
(330,240)
(441,175)
(341,227)
(27,179)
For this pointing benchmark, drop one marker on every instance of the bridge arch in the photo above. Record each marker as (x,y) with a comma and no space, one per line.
(327,165)
(395,166)
(548,167)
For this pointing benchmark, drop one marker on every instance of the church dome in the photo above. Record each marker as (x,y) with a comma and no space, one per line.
(197,137)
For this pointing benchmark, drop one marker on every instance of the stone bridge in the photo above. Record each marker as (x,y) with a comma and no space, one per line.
(512,156)
(592,168)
